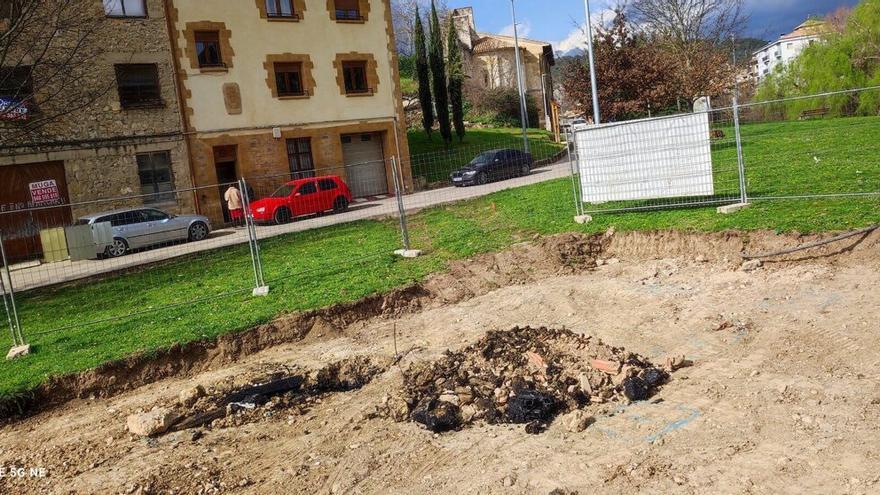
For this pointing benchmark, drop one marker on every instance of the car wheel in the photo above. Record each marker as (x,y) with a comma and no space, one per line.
(525,170)
(482,179)
(282,216)
(198,232)
(340,204)
(118,248)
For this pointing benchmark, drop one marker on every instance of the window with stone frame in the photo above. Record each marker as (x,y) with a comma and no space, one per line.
(280,9)
(355,77)
(208,49)
(157,180)
(125,8)
(347,10)
(288,79)
(138,85)
(299,158)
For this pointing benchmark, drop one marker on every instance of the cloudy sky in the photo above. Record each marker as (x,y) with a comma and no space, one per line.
(557,20)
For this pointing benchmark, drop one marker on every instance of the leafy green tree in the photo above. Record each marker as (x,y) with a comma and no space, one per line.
(843,60)
(438,75)
(423,76)
(456,81)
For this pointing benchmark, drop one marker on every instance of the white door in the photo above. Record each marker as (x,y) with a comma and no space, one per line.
(365,164)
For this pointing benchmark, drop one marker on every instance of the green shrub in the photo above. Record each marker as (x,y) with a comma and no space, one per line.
(499,107)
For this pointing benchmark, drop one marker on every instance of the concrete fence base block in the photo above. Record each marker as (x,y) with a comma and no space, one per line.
(728,209)
(18,351)
(582,219)
(408,253)
(261,291)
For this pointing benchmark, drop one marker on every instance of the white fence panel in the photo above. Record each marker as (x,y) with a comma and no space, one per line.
(664,157)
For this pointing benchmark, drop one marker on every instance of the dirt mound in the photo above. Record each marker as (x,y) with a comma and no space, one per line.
(525,375)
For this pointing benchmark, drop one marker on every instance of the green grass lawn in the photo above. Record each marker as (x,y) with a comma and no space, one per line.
(342,263)
(409,86)
(432,160)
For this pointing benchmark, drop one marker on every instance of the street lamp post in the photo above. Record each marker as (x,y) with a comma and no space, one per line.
(524,114)
(596,115)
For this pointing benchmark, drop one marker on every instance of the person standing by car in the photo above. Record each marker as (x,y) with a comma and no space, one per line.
(235,206)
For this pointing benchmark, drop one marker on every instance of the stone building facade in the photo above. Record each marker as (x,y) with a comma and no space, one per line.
(287,89)
(490,62)
(127,142)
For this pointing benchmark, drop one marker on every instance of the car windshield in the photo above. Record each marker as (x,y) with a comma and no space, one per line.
(283,191)
(483,158)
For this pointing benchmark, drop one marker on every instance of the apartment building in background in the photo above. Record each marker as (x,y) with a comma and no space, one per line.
(128,142)
(289,88)
(786,48)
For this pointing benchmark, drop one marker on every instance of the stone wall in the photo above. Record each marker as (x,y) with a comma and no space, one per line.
(98,144)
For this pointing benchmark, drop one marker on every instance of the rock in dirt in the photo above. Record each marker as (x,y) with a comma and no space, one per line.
(577,421)
(531,405)
(635,389)
(525,376)
(151,423)
(751,265)
(189,396)
(437,416)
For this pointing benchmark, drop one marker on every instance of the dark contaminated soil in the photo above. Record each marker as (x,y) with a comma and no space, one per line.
(524,376)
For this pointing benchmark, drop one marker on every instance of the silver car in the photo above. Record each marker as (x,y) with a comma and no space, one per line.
(136,228)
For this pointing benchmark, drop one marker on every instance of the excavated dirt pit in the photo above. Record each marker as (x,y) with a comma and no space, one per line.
(780,393)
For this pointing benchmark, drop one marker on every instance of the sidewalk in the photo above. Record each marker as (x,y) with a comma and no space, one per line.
(31,277)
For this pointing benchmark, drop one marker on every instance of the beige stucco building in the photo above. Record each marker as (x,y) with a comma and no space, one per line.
(275,89)
(490,62)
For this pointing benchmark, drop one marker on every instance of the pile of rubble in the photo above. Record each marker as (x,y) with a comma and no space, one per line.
(525,376)
(281,389)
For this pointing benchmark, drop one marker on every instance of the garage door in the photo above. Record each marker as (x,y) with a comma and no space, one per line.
(28,197)
(364,164)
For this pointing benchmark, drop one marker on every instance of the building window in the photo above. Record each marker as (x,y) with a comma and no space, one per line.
(348,10)
(208,49)
(154,170)
(355,75)
(299,157)
(16,93)
(138,85)
(288,78)
(125,8)
(280,8)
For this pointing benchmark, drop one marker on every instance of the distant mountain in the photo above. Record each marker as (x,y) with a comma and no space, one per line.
(574,52)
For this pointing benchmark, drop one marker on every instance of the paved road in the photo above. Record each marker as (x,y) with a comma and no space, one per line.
(30,277)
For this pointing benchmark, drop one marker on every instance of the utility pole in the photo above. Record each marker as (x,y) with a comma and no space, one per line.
(524,113)
(596,114)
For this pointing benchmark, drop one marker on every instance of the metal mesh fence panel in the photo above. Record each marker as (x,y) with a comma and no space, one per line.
(91,263)
(679,160)
(816,146)
(812,147)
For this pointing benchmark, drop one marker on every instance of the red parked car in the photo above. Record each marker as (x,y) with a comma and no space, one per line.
(303,197)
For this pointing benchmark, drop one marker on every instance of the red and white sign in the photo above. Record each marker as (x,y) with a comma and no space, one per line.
(45,192)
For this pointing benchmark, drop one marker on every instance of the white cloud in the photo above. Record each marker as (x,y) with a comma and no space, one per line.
(577,37)
(525,28)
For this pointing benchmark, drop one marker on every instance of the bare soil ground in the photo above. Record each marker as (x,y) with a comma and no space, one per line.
(783,395)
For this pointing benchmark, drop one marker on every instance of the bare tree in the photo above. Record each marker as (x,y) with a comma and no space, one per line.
(684,23)
(48,69)
(403,13)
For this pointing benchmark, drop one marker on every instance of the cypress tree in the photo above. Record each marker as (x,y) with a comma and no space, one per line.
(438,75)
(423,76)
(456,81)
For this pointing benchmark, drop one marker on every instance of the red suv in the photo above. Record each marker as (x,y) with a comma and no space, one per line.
(303,197)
